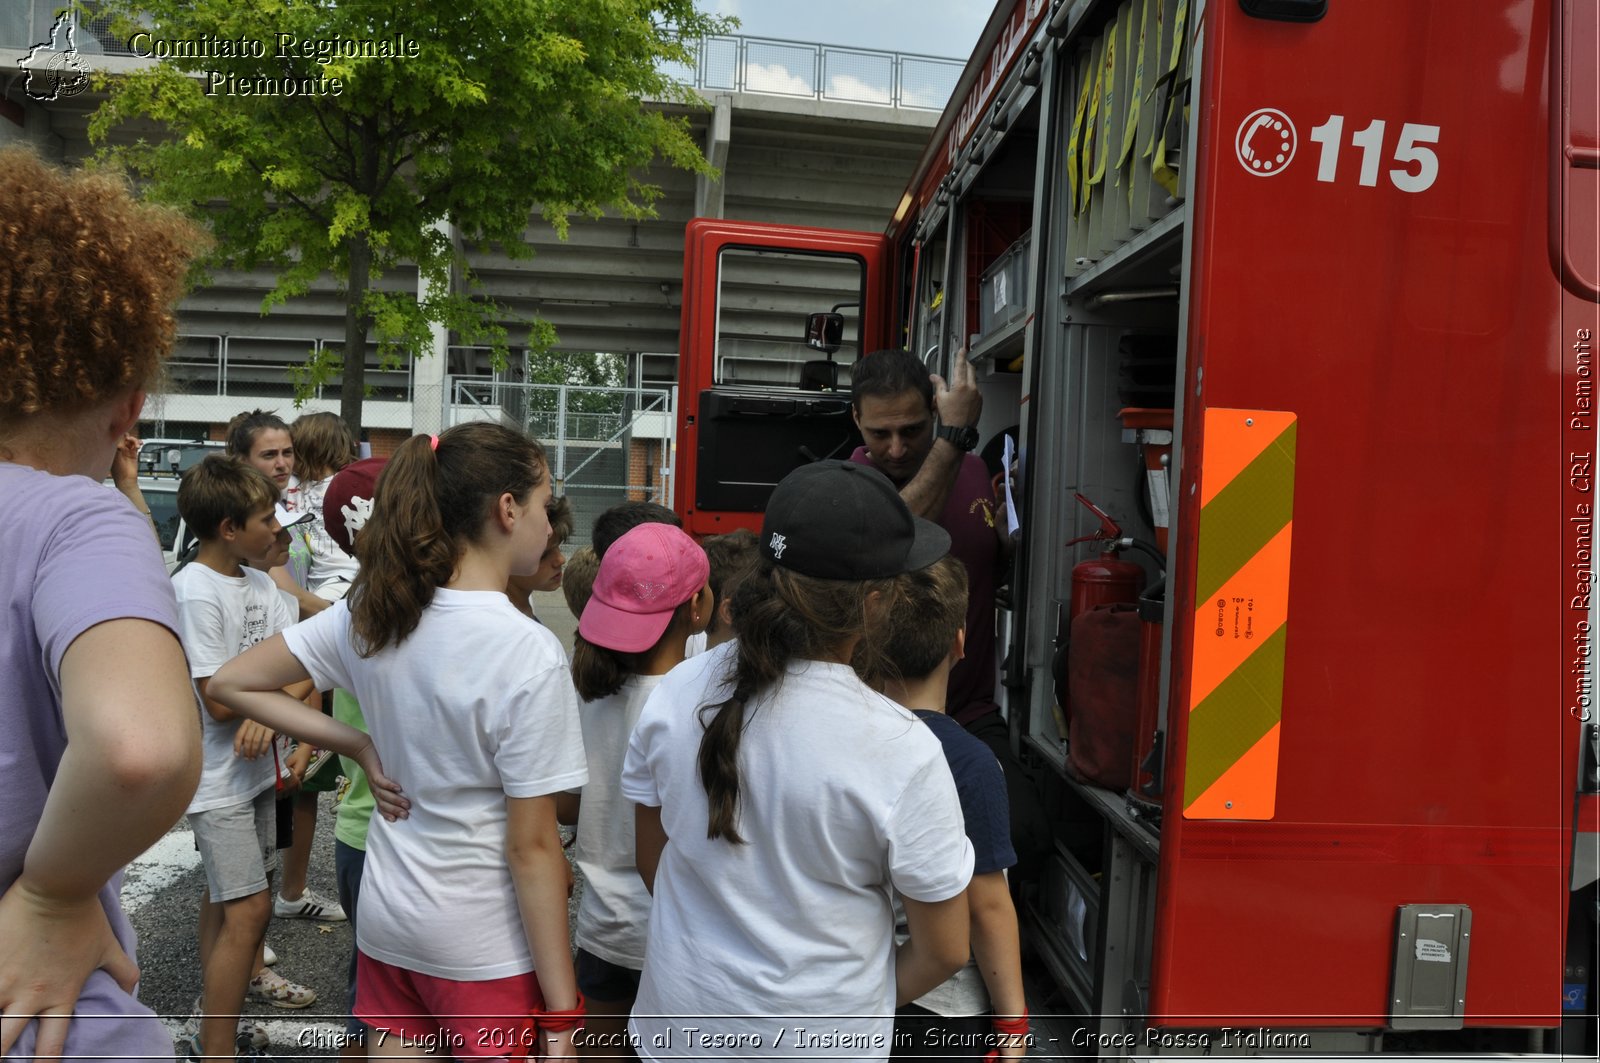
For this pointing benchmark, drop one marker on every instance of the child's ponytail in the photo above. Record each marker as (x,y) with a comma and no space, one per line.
(780,616)
(431,501)
(599,671)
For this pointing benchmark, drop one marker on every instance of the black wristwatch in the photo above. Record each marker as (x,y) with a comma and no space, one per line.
(964,438)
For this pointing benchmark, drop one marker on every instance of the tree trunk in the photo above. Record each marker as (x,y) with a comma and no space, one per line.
(353,392)
(356,322)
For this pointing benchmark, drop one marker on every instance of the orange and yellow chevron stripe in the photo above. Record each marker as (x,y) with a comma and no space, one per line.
(1241,603)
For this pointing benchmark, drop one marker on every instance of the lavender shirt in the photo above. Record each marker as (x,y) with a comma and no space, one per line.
(73,554)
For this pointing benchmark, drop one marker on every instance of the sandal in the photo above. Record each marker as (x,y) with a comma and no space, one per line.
(270,987)
(250,1032)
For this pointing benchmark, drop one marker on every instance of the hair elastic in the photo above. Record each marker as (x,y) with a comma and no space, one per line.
(560,1021)
(433,442)
(1011,1029)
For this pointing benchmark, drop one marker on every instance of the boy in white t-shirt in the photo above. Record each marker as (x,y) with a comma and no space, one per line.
(224,608)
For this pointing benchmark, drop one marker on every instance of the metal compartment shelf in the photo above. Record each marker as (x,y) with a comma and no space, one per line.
(1146,260)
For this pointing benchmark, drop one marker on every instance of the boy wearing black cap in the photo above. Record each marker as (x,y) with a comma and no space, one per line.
(796,799)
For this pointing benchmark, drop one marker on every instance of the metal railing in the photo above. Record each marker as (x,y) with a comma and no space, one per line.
(723,62)
(207,364)
(771,66)
(25,23)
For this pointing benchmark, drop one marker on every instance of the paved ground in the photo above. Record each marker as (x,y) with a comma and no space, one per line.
(163,891)
(162,894)
(553,612)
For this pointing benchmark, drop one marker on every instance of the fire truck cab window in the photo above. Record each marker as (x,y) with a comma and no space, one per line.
(763,300)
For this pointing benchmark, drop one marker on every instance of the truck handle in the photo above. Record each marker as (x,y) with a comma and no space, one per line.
(1574,115)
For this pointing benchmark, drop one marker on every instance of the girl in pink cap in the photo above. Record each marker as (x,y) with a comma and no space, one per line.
(651,594)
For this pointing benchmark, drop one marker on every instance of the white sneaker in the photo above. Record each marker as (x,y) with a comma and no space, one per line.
(268,957)
(309,905)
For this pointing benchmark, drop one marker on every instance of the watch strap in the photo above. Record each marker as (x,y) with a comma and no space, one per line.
(963,437)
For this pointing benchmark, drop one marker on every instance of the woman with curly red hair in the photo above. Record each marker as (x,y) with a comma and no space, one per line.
(101,752)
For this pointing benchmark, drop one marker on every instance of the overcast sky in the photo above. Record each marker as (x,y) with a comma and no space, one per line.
(928,27)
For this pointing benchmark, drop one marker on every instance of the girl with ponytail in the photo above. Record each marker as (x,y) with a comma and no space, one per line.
(780,800)
(463,931)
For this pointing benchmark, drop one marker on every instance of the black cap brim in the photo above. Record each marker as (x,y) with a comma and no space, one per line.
(929,544)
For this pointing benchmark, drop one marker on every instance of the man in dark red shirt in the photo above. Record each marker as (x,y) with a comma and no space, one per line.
(893,400)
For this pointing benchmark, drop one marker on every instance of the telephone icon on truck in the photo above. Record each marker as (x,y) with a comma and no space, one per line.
(1266,142)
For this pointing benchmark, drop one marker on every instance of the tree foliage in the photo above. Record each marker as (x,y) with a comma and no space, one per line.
(507,106)
(583,371)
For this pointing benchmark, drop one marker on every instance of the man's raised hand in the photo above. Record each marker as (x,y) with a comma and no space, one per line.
(958,403)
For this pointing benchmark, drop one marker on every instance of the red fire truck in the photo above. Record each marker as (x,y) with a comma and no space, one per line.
(1303,293)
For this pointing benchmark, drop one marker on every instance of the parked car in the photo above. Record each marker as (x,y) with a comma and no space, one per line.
(161,495)
(171,457)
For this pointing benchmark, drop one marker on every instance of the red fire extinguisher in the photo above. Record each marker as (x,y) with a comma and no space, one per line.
(1102,580)
(1111,673)
(1105,579)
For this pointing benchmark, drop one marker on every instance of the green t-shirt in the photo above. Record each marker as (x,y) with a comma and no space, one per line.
(355,803)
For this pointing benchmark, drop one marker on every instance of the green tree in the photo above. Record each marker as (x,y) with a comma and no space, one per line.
(582,370)
(472,114)
(580,413)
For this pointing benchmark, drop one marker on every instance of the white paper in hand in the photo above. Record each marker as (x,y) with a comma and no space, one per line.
(1013,518)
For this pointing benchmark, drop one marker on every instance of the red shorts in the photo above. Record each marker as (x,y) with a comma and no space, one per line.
(467,1020)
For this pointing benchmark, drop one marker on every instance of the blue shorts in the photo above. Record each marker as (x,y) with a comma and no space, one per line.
(348,865)
(603,980)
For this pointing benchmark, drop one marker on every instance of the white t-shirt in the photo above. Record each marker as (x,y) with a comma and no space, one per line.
(844,797)
(220,617)
(331,570)
(475,706)
(615,908)
(299,563)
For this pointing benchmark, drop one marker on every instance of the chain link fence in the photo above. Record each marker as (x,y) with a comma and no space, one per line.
(604,445)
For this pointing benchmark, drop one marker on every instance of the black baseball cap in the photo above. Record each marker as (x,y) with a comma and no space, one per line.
(844,520)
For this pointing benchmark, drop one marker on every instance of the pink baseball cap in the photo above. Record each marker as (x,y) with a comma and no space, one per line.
(643,579)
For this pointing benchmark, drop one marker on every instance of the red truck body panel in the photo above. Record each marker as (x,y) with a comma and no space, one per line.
(1402,259)
(1426,754)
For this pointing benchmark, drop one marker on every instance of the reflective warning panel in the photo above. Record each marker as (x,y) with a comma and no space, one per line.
(1241,610)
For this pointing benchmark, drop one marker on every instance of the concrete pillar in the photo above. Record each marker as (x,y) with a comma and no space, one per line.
(708,192)
(430,398)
